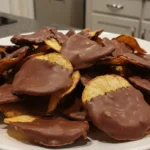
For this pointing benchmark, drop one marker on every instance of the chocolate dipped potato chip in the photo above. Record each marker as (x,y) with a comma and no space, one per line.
(49,131)
(10,110)
(138,60)
(10,60)
(6,95)
(116,107)
(43,75)
(141,82)
(56,97)
(83,52)
(131,42)
(39,37)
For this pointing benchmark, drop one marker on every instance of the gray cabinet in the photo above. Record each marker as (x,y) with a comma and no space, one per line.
(115,24)
(145,32)
(147,10)
(119,16)
(63,12)
(118,7)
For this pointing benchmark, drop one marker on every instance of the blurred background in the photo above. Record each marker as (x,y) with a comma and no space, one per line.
(118,16)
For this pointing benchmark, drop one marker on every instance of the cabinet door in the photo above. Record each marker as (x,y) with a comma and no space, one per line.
(115,24)
(118,7)
(53,11)
(145,32)
(146,10)
(63,12)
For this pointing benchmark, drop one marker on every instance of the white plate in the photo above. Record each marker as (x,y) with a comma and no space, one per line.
(8,143)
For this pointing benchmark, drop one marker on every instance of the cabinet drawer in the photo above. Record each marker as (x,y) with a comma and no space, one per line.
(146,10)
(115,24)
(118,7)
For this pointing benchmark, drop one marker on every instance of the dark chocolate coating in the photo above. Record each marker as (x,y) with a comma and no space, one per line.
(122,114)
(6,95)
(143,83)
(39,37)
(39,78)
(83,52)
(53,132)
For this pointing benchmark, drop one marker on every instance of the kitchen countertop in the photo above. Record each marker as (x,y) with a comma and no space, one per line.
(24,25)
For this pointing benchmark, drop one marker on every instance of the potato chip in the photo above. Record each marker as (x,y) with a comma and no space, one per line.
(110,102)
(18,135)
(56,97)
(95,33)
(130,41)
(112,61)
(52,43)
(21,118)
(35,46)
(13,109)
(103,84)
(18,66)
(58,59)
(42,48)
(138,60)
(98,40)
(46,131)
(123,71)
(12,59)
(90,34)
(51,73)
(141,82)
(70,33)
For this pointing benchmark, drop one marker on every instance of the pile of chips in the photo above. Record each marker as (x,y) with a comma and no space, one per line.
(53,86)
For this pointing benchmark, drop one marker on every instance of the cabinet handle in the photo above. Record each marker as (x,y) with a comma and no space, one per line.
(116,6)
(143,34)
(133,30)
(57,0)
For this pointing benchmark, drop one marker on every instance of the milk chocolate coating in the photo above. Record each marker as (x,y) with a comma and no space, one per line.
(140,60)
(70,33)
(74,111)
(85,79)
(80,115)
(122,114)
(6,95)
(83,52)
(85,34)
(39,78)
(120,48)
(7,49)
(143,83)
(16,53)
(39,37)
(53,132)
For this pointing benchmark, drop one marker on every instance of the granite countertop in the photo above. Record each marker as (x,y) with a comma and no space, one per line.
(24,25)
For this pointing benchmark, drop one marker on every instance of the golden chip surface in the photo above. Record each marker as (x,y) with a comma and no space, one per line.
(103,84)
